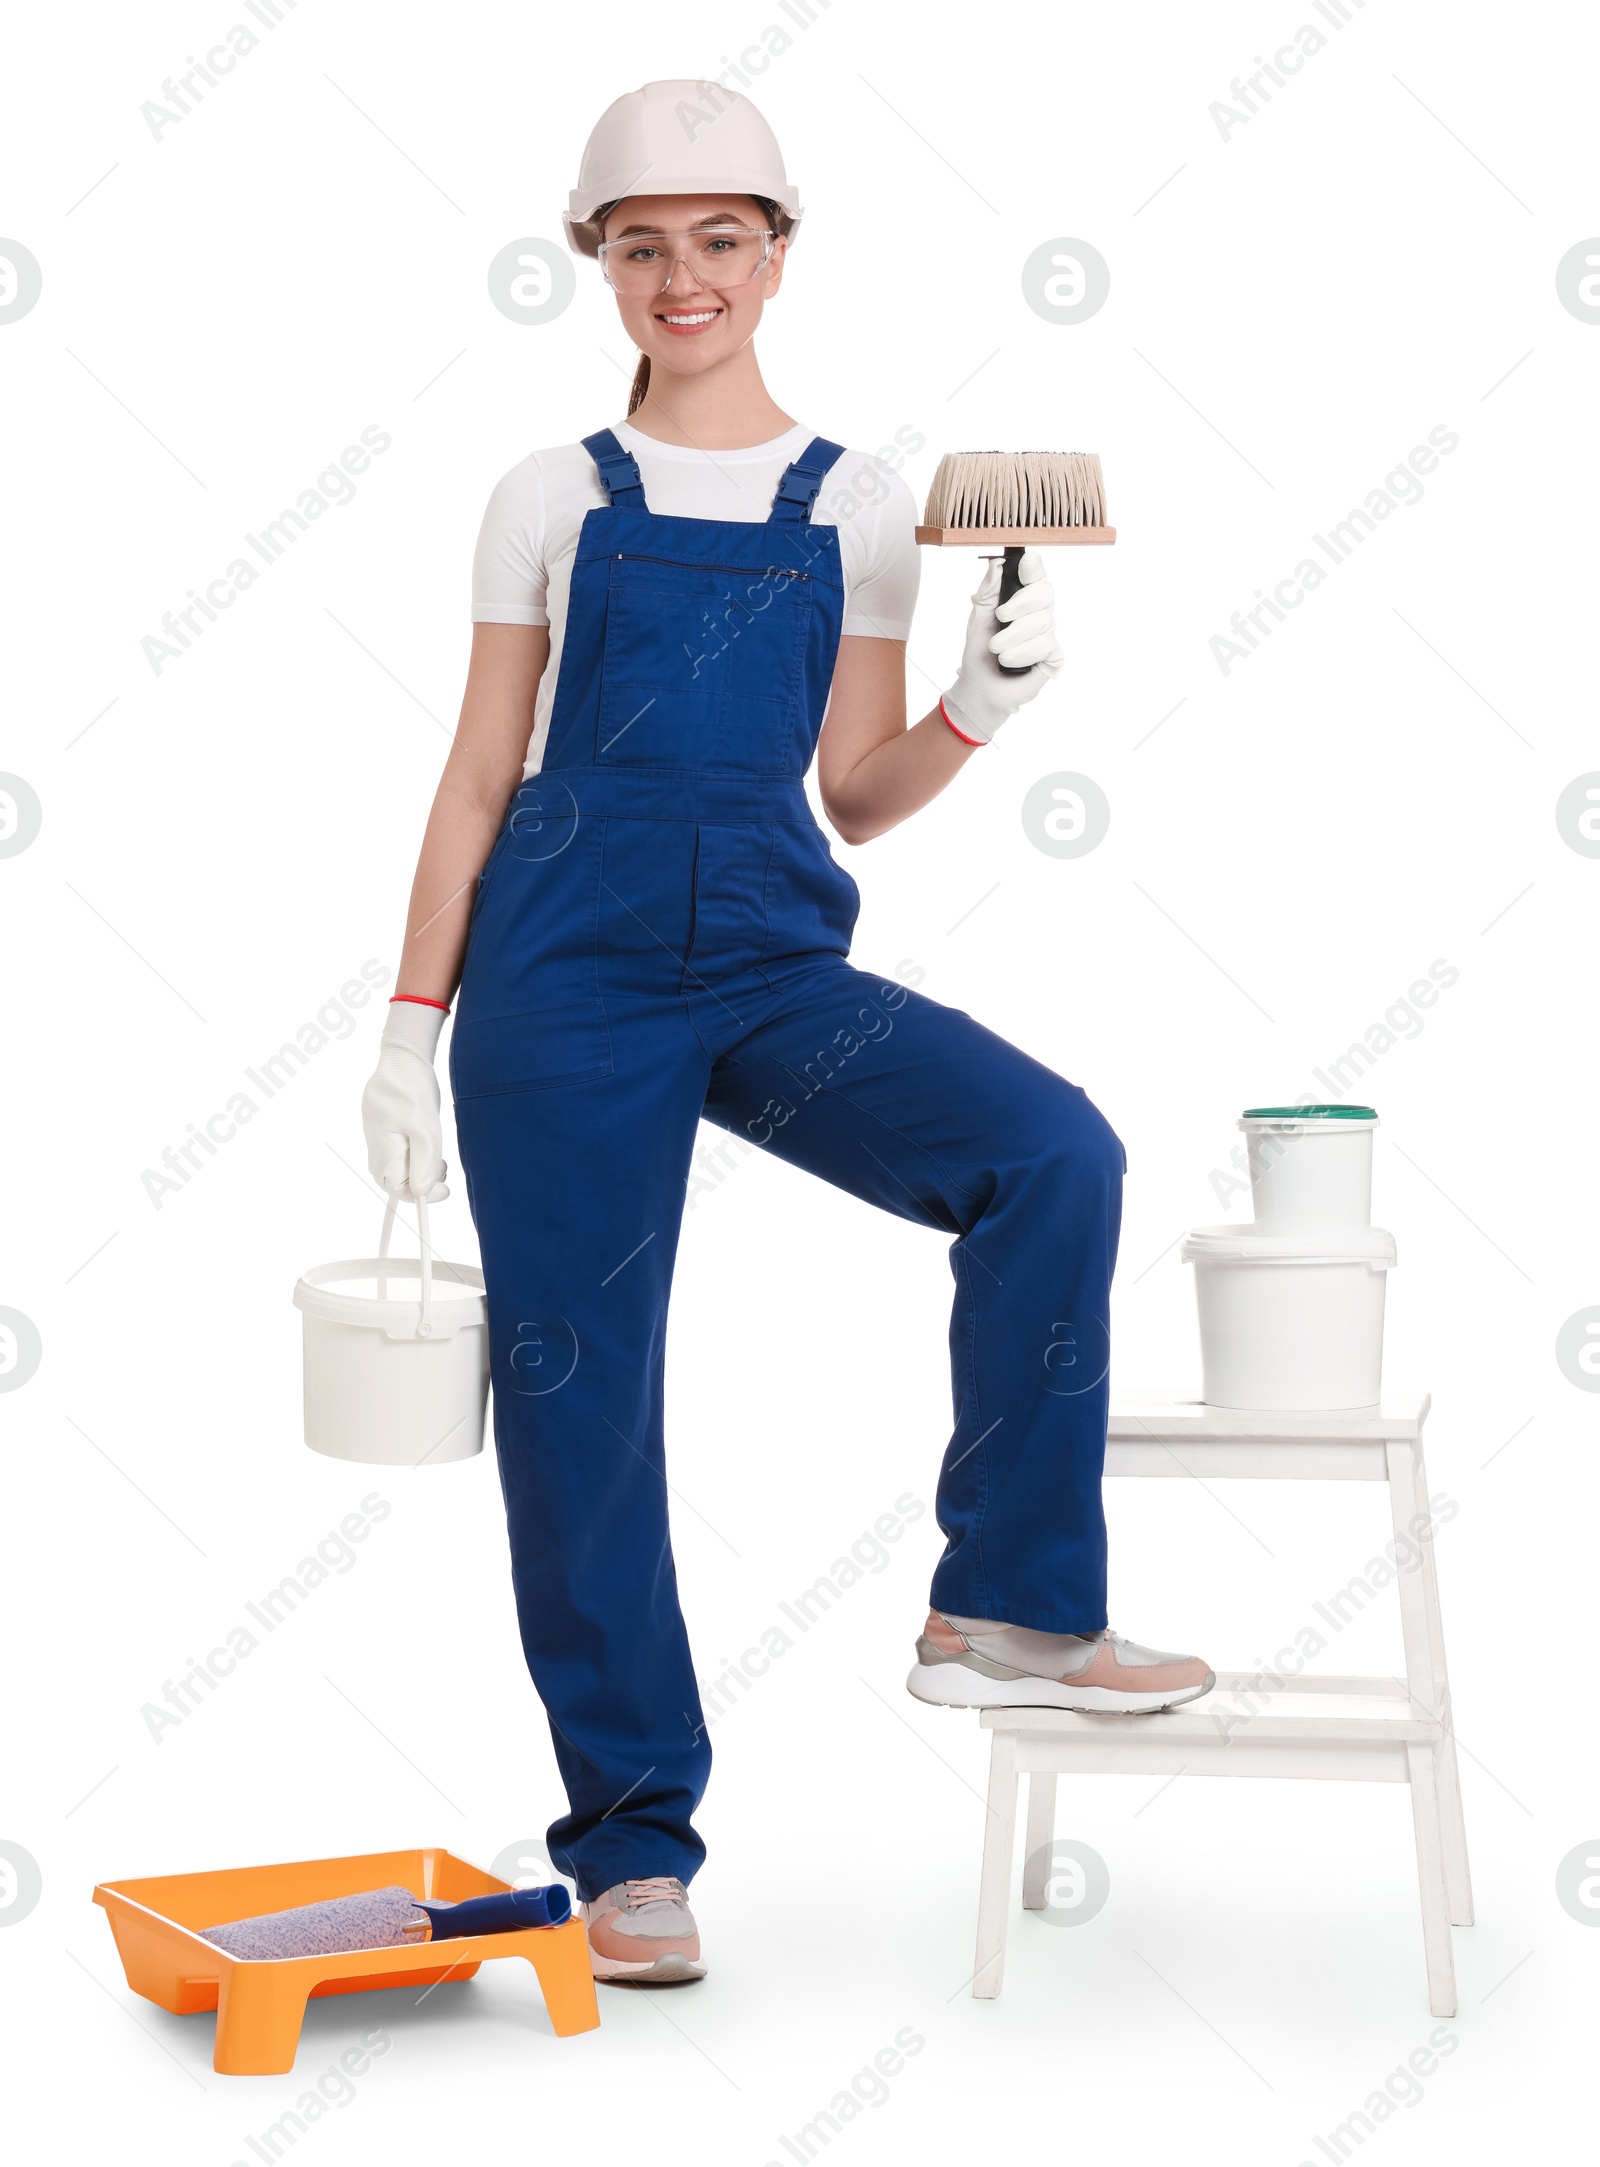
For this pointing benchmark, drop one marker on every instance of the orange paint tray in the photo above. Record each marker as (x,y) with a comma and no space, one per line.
(260,2005)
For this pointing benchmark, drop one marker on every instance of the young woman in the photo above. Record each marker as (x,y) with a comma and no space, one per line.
(622,873)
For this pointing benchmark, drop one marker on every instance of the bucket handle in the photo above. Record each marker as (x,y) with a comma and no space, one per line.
(425,1312)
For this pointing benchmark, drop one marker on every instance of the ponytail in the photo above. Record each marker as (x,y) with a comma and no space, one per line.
(641,384)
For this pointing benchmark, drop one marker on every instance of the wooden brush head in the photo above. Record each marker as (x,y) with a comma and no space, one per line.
(1016,496)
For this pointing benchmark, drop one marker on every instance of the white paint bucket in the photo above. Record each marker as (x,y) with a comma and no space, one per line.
(1310,1167)
(391,1380)
(1291,1325)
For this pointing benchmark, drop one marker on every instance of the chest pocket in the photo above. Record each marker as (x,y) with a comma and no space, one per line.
(704,668)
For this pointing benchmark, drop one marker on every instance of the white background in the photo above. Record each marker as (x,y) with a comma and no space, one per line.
(1291,310)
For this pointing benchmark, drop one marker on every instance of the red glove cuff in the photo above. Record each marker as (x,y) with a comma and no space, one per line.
(960,733)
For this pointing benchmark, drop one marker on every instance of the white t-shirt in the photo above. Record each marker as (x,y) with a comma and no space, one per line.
(522,570)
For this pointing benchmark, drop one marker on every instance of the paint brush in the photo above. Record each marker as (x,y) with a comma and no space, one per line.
(1016,498)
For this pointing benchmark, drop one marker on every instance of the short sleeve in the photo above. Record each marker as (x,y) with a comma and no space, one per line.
(510,584)
(882,552)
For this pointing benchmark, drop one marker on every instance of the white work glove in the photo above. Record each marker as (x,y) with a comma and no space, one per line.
(984,695)
(400,1106)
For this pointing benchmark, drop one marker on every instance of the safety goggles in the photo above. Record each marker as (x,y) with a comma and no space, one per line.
(721,257)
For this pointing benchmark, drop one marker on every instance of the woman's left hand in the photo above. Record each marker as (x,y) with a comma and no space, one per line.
(984,695)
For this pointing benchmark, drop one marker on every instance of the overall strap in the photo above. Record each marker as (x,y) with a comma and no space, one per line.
(618,469)
(797,491)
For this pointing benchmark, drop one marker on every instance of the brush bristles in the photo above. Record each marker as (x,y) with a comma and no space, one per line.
(1017,489)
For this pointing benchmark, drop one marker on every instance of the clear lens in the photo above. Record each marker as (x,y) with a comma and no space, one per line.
(718,256)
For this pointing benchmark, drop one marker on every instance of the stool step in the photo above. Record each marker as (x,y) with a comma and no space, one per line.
(1178,1416)
(1237,1710)
(1366,1730)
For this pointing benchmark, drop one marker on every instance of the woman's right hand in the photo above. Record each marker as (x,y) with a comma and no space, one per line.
(400,1106)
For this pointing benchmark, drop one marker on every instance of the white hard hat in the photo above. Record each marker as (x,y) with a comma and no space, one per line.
(677,138)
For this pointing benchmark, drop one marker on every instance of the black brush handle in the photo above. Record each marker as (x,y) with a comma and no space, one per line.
(1010,582)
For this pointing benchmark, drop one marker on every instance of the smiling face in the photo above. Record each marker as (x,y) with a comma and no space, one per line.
(688,324)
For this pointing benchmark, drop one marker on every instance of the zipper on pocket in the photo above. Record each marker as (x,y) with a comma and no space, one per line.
(766,571)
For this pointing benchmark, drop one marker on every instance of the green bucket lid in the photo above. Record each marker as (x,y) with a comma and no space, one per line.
(1309,1113)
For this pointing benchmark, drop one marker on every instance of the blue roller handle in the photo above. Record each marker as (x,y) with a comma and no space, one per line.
(501,1913)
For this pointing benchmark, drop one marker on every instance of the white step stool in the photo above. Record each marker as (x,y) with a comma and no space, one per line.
(1374,1730)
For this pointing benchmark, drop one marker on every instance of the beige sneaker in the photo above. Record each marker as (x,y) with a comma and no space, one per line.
(642,1933)
(975,1663)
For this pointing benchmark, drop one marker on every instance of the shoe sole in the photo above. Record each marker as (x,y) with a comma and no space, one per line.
(952,1685)
(674,1970)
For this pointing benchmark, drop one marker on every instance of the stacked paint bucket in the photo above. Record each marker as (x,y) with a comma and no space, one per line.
(1291,1307)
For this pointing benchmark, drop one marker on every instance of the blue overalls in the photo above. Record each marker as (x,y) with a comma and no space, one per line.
(660,936)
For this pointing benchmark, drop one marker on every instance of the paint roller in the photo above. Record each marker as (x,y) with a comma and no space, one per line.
(389,1918)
